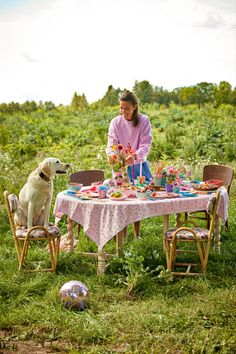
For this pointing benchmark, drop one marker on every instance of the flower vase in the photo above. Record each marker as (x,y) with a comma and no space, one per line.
(169,188)
(118,178)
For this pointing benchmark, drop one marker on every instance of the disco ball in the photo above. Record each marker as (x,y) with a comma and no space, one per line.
(74,295)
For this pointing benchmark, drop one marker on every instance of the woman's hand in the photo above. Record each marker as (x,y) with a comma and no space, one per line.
(130,159)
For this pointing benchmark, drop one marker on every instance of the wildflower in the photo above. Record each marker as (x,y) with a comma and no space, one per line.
(118,157)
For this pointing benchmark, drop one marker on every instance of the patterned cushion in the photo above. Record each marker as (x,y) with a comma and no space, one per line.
(186,235)
(13,202)
(53,230)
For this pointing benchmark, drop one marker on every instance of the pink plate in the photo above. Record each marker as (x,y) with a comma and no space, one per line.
(159,195)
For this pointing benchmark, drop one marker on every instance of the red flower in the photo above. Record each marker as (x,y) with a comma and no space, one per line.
(120,147)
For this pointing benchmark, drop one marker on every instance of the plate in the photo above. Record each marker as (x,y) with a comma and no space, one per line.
(188,194)
(118,199)
(90,194)
(70,192)
(84,197)
(163,195)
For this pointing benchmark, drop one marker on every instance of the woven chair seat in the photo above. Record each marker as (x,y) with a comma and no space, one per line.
(52,230)
(202,234)
(197,243)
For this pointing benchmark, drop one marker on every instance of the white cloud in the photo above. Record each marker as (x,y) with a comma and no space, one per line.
(50,49)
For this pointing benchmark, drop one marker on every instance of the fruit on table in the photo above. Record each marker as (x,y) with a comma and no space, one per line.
(154,194)
(116,195)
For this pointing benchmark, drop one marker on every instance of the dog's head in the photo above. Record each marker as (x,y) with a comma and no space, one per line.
(52,166)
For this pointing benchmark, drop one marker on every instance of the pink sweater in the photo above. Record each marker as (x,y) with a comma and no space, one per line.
(122,132)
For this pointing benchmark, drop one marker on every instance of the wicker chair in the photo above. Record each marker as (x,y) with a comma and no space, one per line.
(24,237)
(87,177)
(200,237)
(218,172)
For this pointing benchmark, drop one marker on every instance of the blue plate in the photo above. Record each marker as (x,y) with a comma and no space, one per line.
(188,194)
(70,192)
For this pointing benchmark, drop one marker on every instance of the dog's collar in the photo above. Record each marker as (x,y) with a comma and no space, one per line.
(44,177)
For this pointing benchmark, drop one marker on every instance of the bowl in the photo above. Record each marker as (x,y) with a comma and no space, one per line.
(75,186)
(141,195)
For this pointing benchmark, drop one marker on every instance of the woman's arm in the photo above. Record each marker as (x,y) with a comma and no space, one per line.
(112,138)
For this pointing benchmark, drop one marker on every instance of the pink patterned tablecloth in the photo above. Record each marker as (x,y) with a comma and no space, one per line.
(103,219)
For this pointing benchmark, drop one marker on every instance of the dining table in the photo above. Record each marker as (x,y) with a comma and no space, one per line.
(103,219)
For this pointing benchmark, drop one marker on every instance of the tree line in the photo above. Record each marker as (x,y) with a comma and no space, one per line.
(200,94)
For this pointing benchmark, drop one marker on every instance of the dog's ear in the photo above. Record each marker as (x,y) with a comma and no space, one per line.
(46,169)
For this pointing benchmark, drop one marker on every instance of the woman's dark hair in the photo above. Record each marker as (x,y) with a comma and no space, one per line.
(130,97)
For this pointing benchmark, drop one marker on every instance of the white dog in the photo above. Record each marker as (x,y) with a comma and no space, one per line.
(36,195)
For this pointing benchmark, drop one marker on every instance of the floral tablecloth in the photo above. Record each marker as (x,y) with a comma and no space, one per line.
(103,219)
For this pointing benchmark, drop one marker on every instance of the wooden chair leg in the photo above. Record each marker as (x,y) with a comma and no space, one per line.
(167,249)
(136,229)
(172,255)
(24,253)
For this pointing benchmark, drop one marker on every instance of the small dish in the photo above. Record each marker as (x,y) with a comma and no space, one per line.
(75,186)
(141,195)
(118,199)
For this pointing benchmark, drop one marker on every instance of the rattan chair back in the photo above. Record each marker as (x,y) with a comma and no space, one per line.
(24,237)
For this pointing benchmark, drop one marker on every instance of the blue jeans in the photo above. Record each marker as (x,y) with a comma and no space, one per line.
(145,171)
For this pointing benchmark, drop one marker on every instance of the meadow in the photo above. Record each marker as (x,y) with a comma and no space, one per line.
(159,314)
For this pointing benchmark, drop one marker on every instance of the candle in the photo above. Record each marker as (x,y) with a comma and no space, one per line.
(133,174)
(140,170)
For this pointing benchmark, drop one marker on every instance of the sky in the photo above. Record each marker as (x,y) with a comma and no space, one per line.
(50,49)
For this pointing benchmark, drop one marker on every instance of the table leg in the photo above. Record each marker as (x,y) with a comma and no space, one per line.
(101,267)
(119,240)
(178,220)
(166,222)
(70,236)
(165,227)
(136,229)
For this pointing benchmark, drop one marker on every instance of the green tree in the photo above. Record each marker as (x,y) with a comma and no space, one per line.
(49,106)
(161,96)
(79,102)
(29,106)
(233,97)
(205,92)
(223,93)
(144,91)
(187,95)
(111,97)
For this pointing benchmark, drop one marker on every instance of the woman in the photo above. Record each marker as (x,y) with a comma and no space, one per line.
(131,128)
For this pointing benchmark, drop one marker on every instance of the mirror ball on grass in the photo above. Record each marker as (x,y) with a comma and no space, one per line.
(74,295)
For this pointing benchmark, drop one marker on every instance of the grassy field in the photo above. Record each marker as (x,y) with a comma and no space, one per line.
(158,316)
(135,307)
